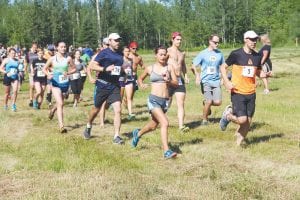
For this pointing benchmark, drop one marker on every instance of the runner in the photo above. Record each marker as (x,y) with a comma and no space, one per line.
(21,67)
(76,82)
(246,63)
(209,60)
(137,61)
(162,76)
(129,82)
(61,66)
(265,52)
(9,67)
(177,59)
(32,55)
(39,78)
(108,62)
(48,54)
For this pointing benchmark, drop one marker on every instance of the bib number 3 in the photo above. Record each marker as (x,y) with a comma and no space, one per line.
(248,71)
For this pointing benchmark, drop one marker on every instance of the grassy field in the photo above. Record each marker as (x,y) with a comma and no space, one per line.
(38,163)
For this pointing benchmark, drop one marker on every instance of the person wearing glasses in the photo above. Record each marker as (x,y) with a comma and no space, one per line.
(210,60)
(246,64)
(136,59)
(109,63)
(176,58)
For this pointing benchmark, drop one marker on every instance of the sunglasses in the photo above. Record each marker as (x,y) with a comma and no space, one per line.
(117,40)
(252,39)
(215,42)
(133,48)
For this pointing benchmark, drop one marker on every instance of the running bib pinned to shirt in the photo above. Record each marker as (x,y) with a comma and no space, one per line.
(211,70)
(75,76)
(116,71)
(248,71)
(63,79)
(21,67)
(40,73)
(82,73)
(12,72)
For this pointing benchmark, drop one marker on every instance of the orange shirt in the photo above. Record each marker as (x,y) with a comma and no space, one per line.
(244,69)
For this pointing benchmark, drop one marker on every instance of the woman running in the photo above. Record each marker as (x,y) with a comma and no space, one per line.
(9,67)
(21,67)
(129,81)
(39,79)
(61,66)
(76,82)
(162,76)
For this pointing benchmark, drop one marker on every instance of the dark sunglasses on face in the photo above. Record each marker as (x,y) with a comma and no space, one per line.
(215,42)
(117,40)
(133,48)
(252,39)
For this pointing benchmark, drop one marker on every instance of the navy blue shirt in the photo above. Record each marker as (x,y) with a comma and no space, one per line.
(106,58)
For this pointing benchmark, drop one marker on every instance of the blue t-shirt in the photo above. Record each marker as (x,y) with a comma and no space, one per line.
(106,58)
(11,68)
(210,61)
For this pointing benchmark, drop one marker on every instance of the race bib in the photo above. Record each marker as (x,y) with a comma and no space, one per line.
(179,81)
(116,71)
(75,76)
(63,79)
(21,67)
(128,72)
(12,72)
(82,73)
(40,73)
(248,71)
(211,70)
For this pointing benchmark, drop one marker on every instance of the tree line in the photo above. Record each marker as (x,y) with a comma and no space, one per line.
(149,22)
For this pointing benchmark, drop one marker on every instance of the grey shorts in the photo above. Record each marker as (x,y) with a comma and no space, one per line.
(212,93)
(157,102)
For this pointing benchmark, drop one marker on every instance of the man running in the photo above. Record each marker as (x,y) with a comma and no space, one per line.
(246,63)
(177,60)
(137,60)
(210,60)
(108,62)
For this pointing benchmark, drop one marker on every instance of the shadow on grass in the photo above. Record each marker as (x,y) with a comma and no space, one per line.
(257,125)
(175,146)
(141,112)
(141,105)
(195,124)
(265,138)
(137,119)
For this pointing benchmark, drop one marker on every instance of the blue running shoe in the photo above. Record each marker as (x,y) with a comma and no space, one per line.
(224,121)
(14,107)
(35,105)
(169,154)
(135,137)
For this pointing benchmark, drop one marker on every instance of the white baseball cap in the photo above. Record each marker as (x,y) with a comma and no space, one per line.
(114,36)
(250,34)
(105,40)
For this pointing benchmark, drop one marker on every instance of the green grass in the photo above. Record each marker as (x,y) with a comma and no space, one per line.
(38,163)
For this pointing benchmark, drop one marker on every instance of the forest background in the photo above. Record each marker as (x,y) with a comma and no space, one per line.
(150,22)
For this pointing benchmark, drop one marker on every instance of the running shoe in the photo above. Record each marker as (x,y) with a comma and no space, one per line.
(87,133)
(131,117)
(184,129)
(204,123)
(169,154)
(35,105)
(118,140)
(14,107)
(266,91)
(51,114)
(5,107)
(135,137)
(30,103)
(209,110)
(62,130)
(224,121)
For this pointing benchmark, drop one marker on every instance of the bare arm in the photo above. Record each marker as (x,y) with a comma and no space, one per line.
(72,68)
(46,68)
(172,81)
(196,73)
(142,78)
(264,57)
(2,66)
(228,84)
